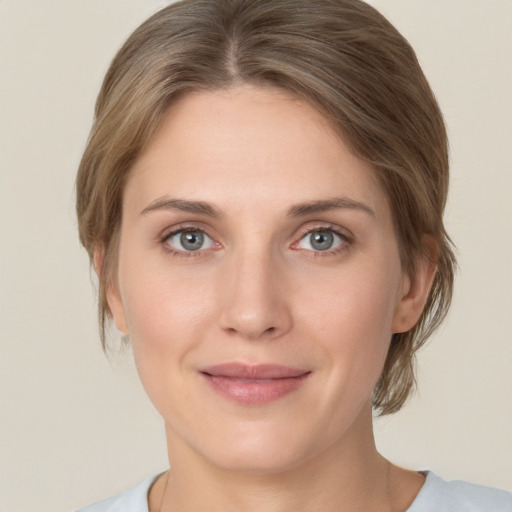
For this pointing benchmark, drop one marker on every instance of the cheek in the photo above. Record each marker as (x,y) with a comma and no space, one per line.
(357,303)
(166,323)
(163,303)
(165,320)
(353,322)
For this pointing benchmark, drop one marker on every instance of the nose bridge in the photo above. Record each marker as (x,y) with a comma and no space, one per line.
(253,304)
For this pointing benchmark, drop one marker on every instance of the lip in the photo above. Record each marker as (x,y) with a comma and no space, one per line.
(253,384)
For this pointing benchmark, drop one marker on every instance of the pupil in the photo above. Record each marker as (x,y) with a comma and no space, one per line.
(192,241)
(322,240)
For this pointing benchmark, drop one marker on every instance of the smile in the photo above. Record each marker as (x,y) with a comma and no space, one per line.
(254,385)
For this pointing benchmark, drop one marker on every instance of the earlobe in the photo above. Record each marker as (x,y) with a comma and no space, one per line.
(97,258)
(112,294)
(415,291)
(116,307)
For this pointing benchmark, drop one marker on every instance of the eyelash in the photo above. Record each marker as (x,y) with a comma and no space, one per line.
(185,254)
(346,241)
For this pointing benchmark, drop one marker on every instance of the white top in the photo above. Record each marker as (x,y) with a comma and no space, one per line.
(436,495)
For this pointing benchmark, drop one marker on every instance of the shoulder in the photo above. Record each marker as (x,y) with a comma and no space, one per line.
(134,499)
(456,496)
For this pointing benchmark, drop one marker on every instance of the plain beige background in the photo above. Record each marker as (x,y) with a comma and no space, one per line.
(74,427)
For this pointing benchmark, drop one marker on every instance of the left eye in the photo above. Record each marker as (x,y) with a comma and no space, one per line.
(321,240)
(190,240)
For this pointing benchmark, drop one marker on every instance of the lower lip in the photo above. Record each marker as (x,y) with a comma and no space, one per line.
(254,392)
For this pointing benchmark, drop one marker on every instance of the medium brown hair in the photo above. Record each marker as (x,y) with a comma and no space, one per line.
(342,57)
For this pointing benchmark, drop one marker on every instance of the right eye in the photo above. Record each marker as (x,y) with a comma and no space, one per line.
(189,240)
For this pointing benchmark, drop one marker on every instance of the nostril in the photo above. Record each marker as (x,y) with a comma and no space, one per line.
(256,334)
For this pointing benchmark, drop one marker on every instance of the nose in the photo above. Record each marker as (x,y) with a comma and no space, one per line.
(254,302)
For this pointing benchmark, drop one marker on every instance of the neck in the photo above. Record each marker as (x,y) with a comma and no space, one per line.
(351,473)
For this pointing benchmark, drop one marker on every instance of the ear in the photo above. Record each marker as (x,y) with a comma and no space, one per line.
(415,289)
(111,288)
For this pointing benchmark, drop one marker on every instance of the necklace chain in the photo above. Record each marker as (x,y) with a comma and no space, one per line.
(160,509)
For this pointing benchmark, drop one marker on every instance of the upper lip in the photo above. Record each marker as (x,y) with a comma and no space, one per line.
(256,372)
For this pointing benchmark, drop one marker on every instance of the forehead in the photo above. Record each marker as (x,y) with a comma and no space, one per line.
(249,145)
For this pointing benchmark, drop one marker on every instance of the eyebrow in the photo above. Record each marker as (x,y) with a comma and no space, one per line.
(311,207)
(298,210)
(167,203)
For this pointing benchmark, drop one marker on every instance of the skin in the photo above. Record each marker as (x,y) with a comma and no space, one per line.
(258,292)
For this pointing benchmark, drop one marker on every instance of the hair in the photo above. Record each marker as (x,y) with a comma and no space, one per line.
(342,57)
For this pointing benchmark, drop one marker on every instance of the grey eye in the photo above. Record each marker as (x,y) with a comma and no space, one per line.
(321,240)
(190,241)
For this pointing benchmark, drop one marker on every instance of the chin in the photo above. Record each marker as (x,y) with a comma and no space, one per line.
(261,449)
(260,461)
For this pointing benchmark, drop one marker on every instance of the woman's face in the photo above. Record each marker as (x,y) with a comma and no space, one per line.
(259,280)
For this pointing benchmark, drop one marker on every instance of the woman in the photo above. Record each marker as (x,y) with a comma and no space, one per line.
(262,197)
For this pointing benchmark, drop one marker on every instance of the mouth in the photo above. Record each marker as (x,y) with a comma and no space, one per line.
(254,384)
